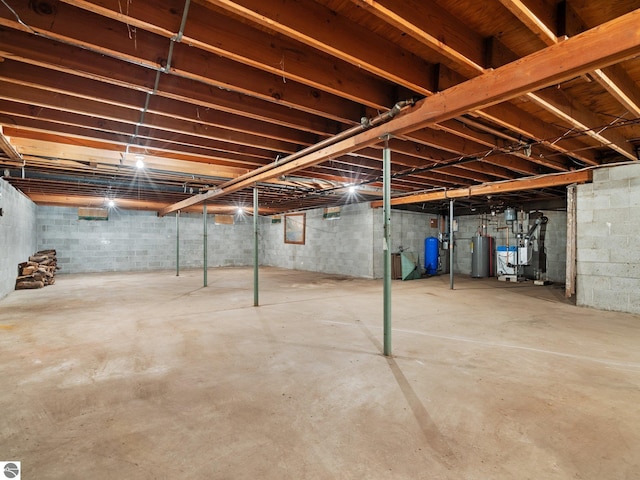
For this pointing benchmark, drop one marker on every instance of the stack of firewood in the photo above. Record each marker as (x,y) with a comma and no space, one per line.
(39,271)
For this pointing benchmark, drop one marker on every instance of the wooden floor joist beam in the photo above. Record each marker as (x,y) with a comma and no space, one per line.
(607,44)
(544,181)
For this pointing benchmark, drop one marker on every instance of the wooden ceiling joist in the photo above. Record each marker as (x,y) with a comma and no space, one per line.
(599,47)
(545,181)
(239,85)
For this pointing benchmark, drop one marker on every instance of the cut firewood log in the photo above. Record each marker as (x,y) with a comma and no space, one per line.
(38,271)
(29,284)
(28,270)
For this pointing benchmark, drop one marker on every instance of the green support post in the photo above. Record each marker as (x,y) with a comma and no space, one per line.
(206,245)
(451,244)
(178,243)
(386,202)
(255,246)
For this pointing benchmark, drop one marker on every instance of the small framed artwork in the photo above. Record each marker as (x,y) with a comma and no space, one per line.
(294,227)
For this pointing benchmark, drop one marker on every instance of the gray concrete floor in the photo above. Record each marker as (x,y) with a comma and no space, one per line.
(151,376)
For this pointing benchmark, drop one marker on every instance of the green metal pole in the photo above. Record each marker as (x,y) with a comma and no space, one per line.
(255,247)
(178,243)
(386,203)
(206,245)
(451,244)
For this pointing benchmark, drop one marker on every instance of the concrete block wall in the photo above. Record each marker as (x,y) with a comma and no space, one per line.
(137,240)
(556,246)
(17,234)
(608,250)
(351,245)
(408,231)
(338,246)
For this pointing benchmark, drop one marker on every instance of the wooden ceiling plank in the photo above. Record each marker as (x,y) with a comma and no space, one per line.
(202,68)
(37,97)
(430,24)
(583,120)
(208,96)
(235,40)
(109,37)
(573,113)
(60,82)
(178,89)
(107,103)
(515,164)
(487,168)
(175,147)
(607,44)
(71,136)
(621,86)
(26,114)
(285,59)
(206,116)
(343,39)
(80,28)
(545,134)
(41,51)
(523,124)
(445,140)
(172,123)
(163,17)
(522,12)
(101,156)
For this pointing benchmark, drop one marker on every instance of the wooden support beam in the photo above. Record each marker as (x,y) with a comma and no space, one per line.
(544,181)
(616,81)
(6,146)
(600,47)
(122,203)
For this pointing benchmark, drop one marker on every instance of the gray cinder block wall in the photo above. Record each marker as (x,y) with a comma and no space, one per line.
(339,246)
(608,250)
(351,245)
(137,240)
(17,234)
(408,231)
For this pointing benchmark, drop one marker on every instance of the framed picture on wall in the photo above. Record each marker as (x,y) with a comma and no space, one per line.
(294,227)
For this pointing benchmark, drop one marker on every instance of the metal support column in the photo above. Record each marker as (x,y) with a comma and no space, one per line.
(255,246)
(451,244)
(386,207)
(178,243)
(205,246)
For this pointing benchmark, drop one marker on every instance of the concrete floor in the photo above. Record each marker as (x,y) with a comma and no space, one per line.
(151,376)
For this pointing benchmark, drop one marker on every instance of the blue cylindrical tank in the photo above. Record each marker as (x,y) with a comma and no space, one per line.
(431,255)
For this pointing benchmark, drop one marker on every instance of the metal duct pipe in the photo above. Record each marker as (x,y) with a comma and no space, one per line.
(365,124)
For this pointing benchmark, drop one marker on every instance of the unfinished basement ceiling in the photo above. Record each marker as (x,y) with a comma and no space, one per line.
(208,91)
